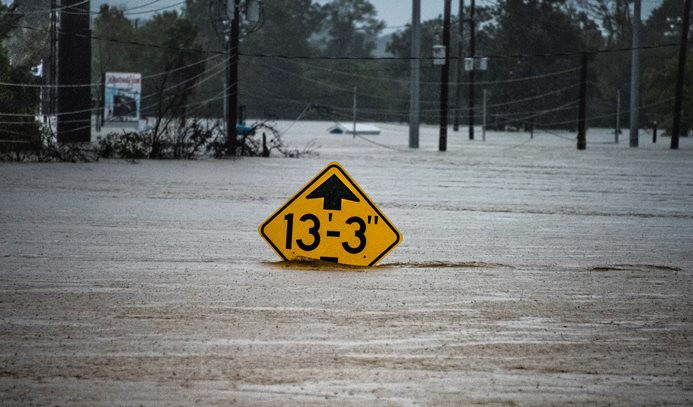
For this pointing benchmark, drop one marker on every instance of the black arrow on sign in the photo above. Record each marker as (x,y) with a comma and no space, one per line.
(333,191)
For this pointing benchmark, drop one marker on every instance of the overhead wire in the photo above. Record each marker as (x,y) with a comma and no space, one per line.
(363,58)
(332,86)
(490,56)
(48,10)
(400,113)
(296,58)
(534,97)
(196,84)
(96,84)
(602,116)
(128,11)
(571,104)
(215,70)
(451,83)
(350,91)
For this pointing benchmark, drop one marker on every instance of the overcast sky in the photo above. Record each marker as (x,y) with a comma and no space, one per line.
(393,12)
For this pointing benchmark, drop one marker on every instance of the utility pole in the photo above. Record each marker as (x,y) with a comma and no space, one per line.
(100,100)
(678,105)
(582,110)
(460,68)
(617,130)
(226,86)
(415,74)
(232,117)
(483,128)
(472,54)
(54,60)
(531,128)
(74,73)
(635,77)
(354,123)
(445,71)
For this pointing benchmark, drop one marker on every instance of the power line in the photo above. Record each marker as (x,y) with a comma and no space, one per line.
(196,84)
(553,92)
(142,5)
(127,42)
(125,10)
(97,84)
(565,106)
(329,85)
(128,12)
(593,118)
(96,109)
(491,56)
(362,58)
(48,10)
(400,113)
(386,79)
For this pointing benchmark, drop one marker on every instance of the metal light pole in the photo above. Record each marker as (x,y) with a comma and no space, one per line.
(444,78)
(483,128)
(354,114)
(617,130)
(460,69)
(582,108)
(472,54)
(415,74)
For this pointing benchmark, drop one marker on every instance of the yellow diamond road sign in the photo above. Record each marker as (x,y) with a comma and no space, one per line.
(331,219)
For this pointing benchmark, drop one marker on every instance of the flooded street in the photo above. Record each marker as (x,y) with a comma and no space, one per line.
(529,273)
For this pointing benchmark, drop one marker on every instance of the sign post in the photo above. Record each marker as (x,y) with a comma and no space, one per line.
(331,219)
(122,92)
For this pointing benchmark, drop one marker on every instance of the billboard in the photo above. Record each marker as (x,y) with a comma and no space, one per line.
(122,96)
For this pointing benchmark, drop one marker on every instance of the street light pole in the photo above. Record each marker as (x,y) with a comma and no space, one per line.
(415,74)
(472,54)
(445,73)
(460,68)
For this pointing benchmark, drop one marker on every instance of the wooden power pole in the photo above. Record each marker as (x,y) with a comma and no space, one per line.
(676,128)
(635,78)
(582,108)
(232,80)
(74,73)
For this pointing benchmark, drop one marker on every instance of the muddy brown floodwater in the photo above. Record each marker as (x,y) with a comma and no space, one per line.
(530,273)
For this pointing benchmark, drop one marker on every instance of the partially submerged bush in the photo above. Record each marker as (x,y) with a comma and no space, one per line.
(49,150)
(192,141)
(196,141)
(172,142)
